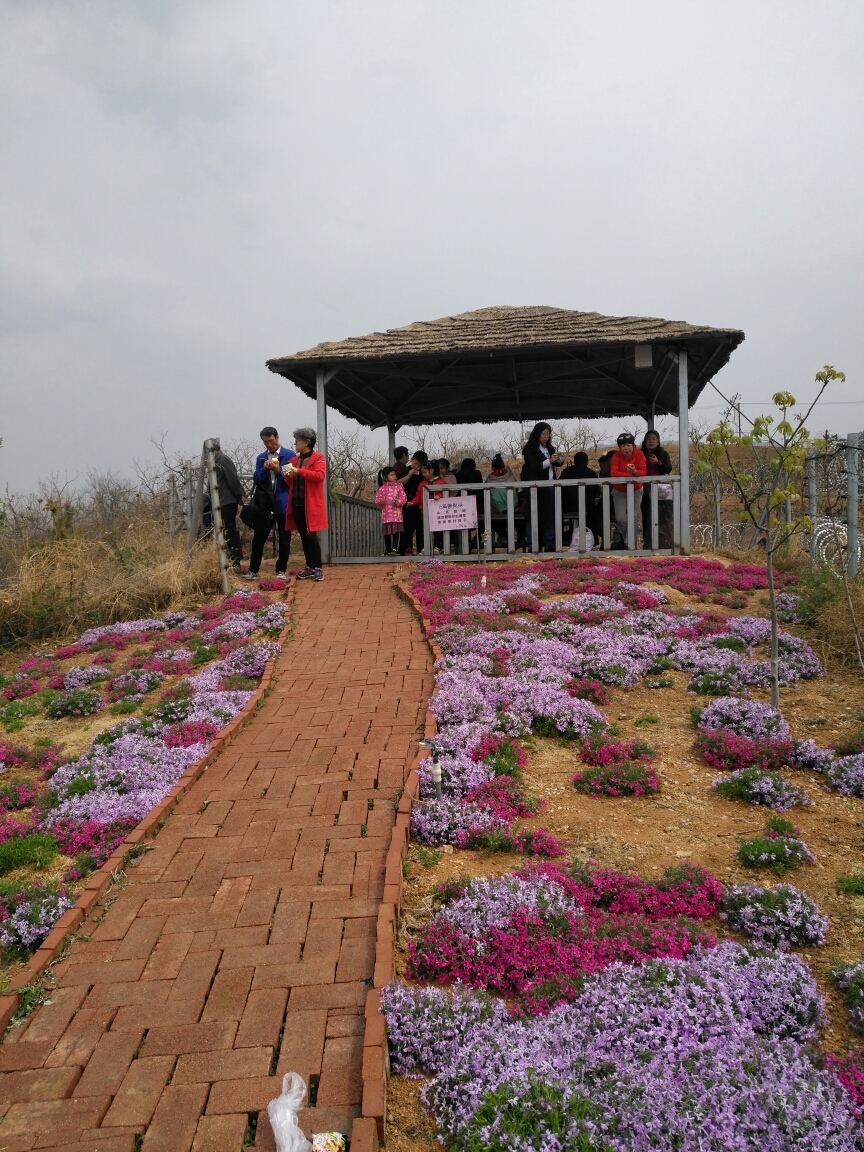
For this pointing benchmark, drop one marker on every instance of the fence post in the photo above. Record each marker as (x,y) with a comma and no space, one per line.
(852,504)
(210,447)
(812,506)
(718,523)
(172,500)
(189,485)
(197,509)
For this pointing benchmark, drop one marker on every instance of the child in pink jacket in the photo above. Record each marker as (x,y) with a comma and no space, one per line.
(390,498)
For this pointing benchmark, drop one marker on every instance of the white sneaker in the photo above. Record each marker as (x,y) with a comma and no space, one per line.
(250,576)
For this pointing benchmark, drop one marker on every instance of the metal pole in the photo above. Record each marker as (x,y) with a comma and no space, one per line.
(391,443)
(190,496)
(197,510)
(172,497)
(684,449)
(210,447)
(322,448)
(852,504)
(718,526)
(812,506)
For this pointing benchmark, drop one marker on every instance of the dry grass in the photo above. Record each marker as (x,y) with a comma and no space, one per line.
(833,633)
(67,585)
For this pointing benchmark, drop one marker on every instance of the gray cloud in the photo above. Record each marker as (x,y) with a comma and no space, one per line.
(190,189)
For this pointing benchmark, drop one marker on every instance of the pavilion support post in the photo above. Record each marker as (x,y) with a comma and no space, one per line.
(852,503)
(684,449)
(391,443)
(321,446)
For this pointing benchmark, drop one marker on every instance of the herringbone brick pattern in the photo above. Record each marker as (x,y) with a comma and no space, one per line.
(243,945)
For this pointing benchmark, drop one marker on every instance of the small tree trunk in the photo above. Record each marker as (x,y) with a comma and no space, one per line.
(772,608)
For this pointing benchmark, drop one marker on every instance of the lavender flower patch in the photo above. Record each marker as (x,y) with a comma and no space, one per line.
(249,660)
(77,702)
(789,607)
(491,903)
(807,756)
(757,786)
(124,628)
(783,917)
(744,717)
(849,979)
(846,775)
(697,1054)
(497,601)
(84,677)
(451,821)
(114,781)
(29,916)
(272,618)
(231,626)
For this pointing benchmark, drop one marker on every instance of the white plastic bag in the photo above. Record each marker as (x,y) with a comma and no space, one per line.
(574,543)
(283,1115)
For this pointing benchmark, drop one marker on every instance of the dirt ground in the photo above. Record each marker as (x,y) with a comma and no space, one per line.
(687,819)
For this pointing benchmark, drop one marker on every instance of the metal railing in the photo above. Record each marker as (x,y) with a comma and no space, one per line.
(355,528)
(535,517)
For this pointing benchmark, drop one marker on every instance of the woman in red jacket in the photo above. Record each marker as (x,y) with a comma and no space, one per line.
(627,462)
(306,513)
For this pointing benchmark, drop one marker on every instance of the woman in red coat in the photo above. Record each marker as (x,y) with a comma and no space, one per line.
(306,477)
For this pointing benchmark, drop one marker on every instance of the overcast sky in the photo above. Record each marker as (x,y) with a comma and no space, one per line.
(189,188)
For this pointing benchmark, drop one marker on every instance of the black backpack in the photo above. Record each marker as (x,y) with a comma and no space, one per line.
(261,509)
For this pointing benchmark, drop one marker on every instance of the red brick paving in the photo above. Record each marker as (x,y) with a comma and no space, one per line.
(243,945)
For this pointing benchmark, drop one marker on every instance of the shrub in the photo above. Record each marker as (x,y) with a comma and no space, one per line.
(780,917)
(631,778)
(11,755)
(755,786)
(593,690)
(77,702)
(38,849)
(846,775)
(532,1113)
(503,755)
(852,745)
(849,1071)
(187,733)
(602,750)
(780,849)
(12,715)
(749,718)
(645,720)
(21,794)
(20,688)
(134,682)
(849,979)
(28,915)
(732,753)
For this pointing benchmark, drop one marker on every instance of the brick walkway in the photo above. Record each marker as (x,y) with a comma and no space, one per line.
(243,945)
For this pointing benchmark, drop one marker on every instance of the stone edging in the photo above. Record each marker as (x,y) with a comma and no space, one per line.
(97,884)
(369,1128)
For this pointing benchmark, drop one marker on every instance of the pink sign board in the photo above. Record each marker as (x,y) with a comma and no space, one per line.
(452,514)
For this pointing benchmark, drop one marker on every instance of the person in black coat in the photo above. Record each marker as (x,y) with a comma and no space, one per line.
(579,470)
(657,463)
(539,463)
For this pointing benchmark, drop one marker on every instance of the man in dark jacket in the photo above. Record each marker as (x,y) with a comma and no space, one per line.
(270,500)
(231,495)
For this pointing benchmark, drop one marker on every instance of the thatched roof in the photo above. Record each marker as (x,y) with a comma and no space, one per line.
(509,363)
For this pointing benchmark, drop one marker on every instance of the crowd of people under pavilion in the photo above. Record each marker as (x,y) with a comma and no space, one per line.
(402,483)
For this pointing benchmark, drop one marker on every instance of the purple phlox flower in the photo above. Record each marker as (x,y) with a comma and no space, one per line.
(744,717)
(123,628)
(82,677)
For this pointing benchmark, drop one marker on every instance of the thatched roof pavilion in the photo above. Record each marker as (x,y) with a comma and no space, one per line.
(516,363)
(511,364)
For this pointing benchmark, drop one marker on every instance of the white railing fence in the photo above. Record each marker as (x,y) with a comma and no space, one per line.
(556,516)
